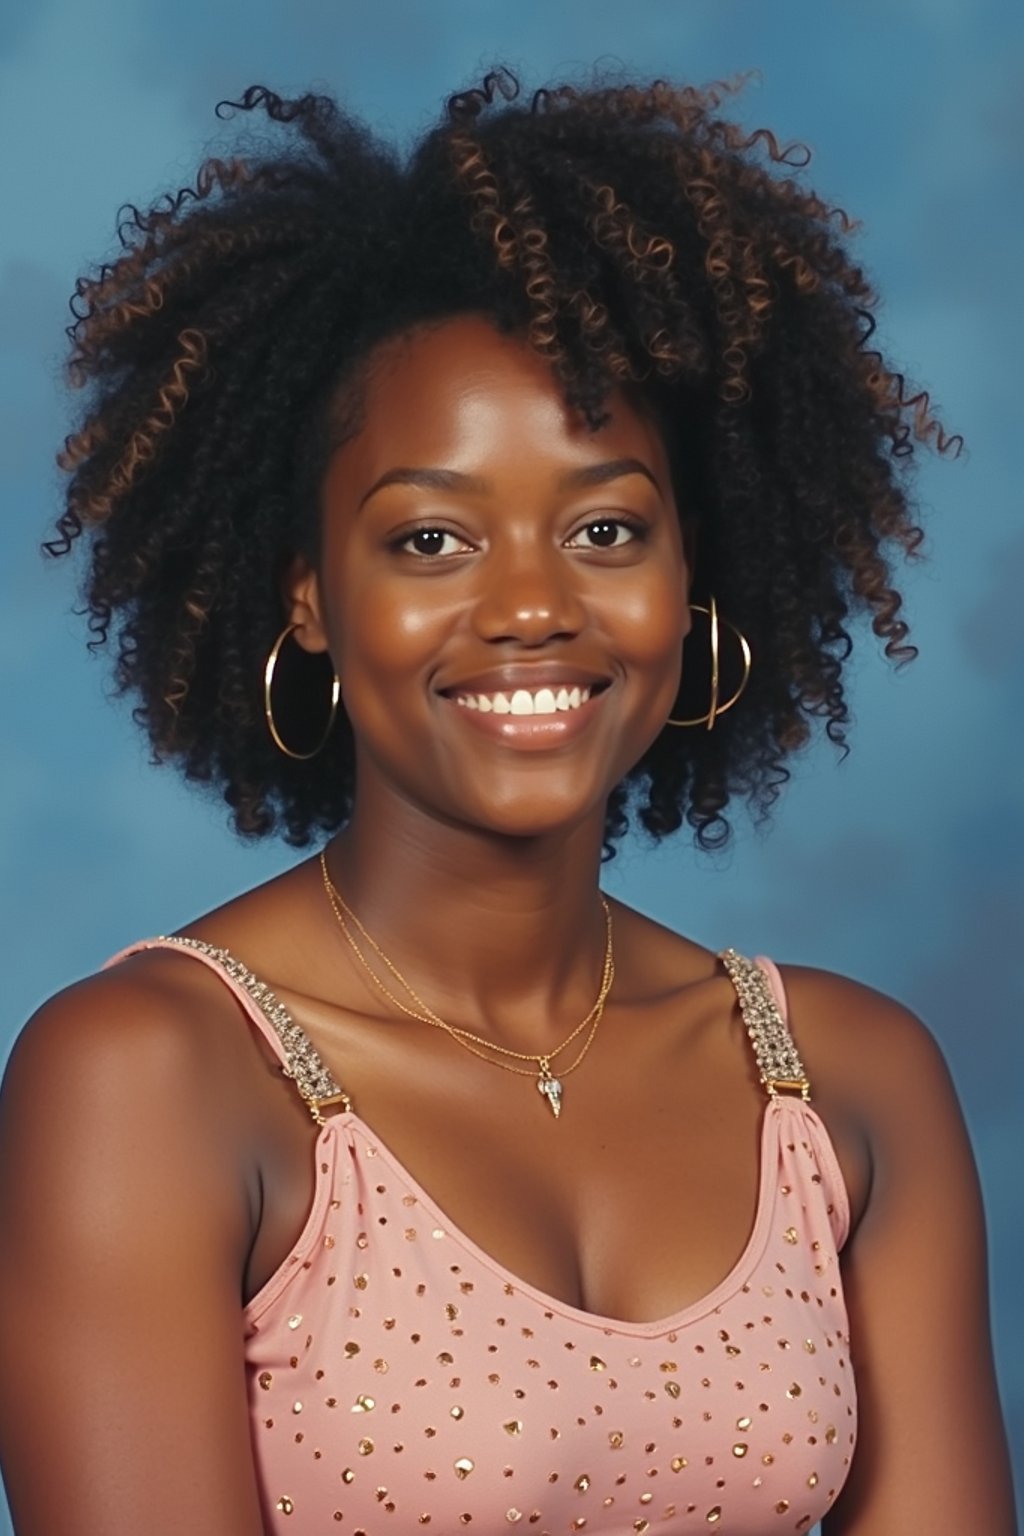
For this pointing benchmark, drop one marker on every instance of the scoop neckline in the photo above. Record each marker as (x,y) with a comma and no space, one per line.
(730,1284)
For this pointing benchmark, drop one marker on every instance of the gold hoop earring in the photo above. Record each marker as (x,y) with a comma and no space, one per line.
(268,708)
(716,708)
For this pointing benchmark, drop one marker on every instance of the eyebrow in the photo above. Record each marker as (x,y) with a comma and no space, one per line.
(455,480)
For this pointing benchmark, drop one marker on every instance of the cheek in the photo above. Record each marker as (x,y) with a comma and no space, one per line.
(391,628)
(398,631)
(651,621)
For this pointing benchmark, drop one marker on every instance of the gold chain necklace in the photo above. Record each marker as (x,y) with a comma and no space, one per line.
(548,1084)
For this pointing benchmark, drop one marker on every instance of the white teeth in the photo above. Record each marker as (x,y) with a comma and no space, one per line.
(540,703)
(522,702)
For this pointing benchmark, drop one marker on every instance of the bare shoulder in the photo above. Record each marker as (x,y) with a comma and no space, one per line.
(147,1028)
(128,1209)
(865,1051)
(121,1141)
(880,1081)
(868,1051)
(915,1261)
(143,1065)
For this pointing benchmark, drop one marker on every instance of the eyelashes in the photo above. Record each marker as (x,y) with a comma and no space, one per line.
(631,526)
(428,542)
(432,537)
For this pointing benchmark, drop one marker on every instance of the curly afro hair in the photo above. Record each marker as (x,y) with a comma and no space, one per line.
(633,238)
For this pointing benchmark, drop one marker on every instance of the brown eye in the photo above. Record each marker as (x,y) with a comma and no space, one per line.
(427,542)
(607,533)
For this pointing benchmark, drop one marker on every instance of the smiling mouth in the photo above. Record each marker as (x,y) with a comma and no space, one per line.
(530,701)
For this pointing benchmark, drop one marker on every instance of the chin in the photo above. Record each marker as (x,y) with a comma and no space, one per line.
(528,819)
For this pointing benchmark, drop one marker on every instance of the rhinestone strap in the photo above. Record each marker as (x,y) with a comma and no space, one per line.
(303,1064)
(777,1057)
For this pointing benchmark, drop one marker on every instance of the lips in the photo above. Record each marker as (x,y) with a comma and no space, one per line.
(543,717)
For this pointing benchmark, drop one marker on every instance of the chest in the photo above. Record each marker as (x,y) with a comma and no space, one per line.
(634,1202)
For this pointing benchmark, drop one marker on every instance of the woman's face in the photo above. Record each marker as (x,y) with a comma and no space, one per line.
(502,591)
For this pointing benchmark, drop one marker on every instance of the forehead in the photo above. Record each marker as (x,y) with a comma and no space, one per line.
(463,394)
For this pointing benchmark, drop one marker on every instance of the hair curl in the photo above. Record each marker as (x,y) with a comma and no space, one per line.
(633,237)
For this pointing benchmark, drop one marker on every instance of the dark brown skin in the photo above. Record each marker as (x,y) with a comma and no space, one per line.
(155,1167)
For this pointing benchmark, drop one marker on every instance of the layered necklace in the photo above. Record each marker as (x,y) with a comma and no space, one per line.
(549,1081)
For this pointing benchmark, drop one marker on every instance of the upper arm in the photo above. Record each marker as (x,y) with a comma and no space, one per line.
(931,1451)
(122,1384)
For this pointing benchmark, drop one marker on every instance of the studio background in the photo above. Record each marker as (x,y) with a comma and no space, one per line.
(900,866)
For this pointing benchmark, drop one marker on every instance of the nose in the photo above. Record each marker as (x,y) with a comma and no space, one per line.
(528,596)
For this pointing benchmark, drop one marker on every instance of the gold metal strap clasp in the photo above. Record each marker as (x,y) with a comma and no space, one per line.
(341,1097)
(800,1085)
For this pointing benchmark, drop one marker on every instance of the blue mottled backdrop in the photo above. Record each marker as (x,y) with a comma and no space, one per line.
(902,865)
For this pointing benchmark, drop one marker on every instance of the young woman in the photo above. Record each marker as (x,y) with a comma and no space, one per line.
(452,507)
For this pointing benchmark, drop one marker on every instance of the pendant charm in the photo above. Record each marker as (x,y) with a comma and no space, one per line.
(551,1088)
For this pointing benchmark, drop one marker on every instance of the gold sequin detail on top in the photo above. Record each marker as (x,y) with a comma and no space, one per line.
(495,1405)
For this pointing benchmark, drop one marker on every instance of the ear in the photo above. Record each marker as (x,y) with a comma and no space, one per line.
(303,601)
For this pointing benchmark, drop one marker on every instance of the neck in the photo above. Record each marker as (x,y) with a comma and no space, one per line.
(502,936)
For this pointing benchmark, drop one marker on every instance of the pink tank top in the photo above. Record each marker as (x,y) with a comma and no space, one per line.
(399,1377)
